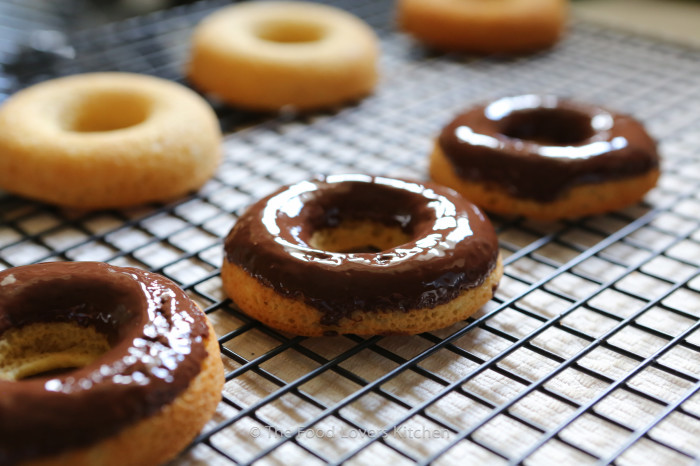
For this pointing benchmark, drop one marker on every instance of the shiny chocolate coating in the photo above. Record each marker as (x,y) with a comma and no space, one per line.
(453,246)
(538,147)
(156,334)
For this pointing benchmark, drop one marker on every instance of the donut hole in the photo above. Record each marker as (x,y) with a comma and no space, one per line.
(358,236)
(108,111)
(548,126)
(48,348)
(64,323)
(286,31)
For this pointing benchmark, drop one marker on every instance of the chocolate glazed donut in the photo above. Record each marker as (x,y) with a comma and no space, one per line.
(441,247)
(156,340)
(546,157)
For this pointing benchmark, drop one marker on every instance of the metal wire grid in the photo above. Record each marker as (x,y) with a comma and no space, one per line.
(599,285)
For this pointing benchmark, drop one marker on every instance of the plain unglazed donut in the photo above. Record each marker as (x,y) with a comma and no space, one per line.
(545,157)
(361,254)
(268,55)
(103,140)
(484,26)
(101,365)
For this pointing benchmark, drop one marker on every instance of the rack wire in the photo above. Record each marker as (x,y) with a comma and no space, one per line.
(590,350)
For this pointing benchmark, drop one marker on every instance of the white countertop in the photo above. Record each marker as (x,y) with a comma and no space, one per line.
(671,20)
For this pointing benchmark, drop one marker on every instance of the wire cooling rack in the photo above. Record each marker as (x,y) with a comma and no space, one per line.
(590,351)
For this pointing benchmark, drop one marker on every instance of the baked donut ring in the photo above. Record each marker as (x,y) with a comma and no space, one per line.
(103,140)
(268,55)
(546,158)
(101,365)
(486,27)
(361,254)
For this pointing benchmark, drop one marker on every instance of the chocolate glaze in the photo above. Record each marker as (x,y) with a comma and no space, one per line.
(538,147)
(156,336)
(454,245)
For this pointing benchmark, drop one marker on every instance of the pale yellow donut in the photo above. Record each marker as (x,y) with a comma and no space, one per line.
(484,26)
(267,55)
(104,140)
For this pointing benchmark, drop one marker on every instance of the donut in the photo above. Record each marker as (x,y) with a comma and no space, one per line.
(484,27)
(546,158)
(103,140)
(268,55)
(361,254)
(101,365)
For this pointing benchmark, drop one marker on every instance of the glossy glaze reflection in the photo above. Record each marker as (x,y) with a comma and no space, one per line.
(453,245)
(537,147)
(156,336)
